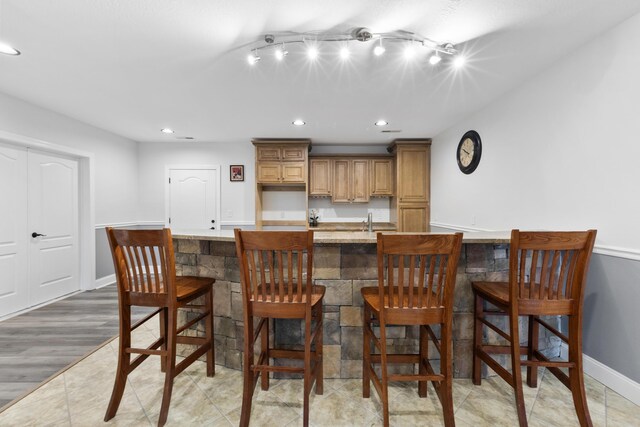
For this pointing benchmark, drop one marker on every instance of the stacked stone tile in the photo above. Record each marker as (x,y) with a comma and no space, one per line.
(344,269)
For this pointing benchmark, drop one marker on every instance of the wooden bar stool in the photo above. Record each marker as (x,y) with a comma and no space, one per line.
(146,275)
(277,284)
(415,287)
(547,274)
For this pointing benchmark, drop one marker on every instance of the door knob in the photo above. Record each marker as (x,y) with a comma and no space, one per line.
(213,228)
(213,221)
(34,235)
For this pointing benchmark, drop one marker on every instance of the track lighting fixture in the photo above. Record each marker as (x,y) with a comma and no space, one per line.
(412,43)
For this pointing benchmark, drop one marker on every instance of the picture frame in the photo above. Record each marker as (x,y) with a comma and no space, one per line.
(236,173)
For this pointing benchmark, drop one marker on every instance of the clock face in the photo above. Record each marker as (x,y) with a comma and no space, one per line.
(469,151)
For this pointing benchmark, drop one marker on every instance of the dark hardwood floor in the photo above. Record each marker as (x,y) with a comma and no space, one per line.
(37,344)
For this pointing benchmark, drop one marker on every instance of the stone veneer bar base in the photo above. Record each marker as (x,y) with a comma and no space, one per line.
(344,268)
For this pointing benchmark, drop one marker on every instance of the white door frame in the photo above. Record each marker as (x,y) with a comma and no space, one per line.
(86,201)
(167,189)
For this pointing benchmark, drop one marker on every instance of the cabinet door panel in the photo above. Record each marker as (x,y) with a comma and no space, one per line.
(293,172)
(381,177)
(269,172)
(360,181)
(268,153)
(413,174)
(319,177)
(413,218)
(341,181)
(293,153)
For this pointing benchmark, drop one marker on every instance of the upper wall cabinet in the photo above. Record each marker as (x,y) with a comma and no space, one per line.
(381,181)
(320,177)
(351,179)
(281,163)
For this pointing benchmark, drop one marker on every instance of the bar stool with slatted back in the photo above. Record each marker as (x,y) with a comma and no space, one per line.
(277,284)
(415,287)
(146,275)
(547,274)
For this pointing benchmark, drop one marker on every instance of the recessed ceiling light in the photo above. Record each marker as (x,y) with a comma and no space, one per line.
(8,50)
(382,123)
(298,122)
(166,130)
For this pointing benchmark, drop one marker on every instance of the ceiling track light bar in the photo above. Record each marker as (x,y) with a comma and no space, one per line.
(359,34)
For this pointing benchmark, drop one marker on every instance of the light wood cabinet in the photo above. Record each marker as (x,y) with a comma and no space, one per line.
(281,165)
(350,181)
(268,153)
(381,177)
(320,177)
(412,201)
(277,173)
(413,218)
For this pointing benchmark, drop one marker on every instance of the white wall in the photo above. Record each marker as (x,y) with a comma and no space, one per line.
(559,152)
(116,178)
(562,152)
(237,198)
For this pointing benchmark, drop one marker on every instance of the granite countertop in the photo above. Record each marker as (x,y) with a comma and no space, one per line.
(352,226)
(338,237)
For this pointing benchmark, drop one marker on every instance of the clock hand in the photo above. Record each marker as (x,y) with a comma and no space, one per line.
(465,151)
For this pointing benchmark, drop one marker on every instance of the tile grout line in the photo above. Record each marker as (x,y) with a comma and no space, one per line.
(66,398)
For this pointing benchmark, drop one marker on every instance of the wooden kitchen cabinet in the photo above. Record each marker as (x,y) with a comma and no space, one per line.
(268,153)
(320,177)
(412,201)
(413,218)
(281,165)
(350,181)
(381,181)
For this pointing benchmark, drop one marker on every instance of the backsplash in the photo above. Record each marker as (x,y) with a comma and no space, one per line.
(350,212)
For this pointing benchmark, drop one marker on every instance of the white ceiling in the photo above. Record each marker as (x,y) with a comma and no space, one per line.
(134,67)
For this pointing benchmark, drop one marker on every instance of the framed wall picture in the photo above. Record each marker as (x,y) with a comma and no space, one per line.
(236,173)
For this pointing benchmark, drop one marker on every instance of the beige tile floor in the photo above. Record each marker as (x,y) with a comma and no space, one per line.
(79,397)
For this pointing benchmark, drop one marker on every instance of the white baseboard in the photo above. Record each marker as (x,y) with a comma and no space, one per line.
(106,280)
(624,386)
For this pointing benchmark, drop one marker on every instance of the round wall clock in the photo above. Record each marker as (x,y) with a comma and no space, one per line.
(469,152)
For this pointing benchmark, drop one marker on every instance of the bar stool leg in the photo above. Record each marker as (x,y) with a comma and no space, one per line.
(576,375)
(515,368)
(446,388)
(477,338)
(319,343)
(211,355)
(532,371)
(162,316)
(385,376)
(264,346)
(424,356)
(366,352)
(124,361)
(171,365)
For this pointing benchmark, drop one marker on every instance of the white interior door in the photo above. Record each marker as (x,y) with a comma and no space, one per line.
(53,227)
(192,199)
(14,237)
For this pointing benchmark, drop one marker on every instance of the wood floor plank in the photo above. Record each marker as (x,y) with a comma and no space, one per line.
(37,344)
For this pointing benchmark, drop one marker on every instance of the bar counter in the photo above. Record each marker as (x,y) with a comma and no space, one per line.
(344,262)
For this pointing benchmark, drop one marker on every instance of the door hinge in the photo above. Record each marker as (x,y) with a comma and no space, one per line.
(169,180)
(169,220)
